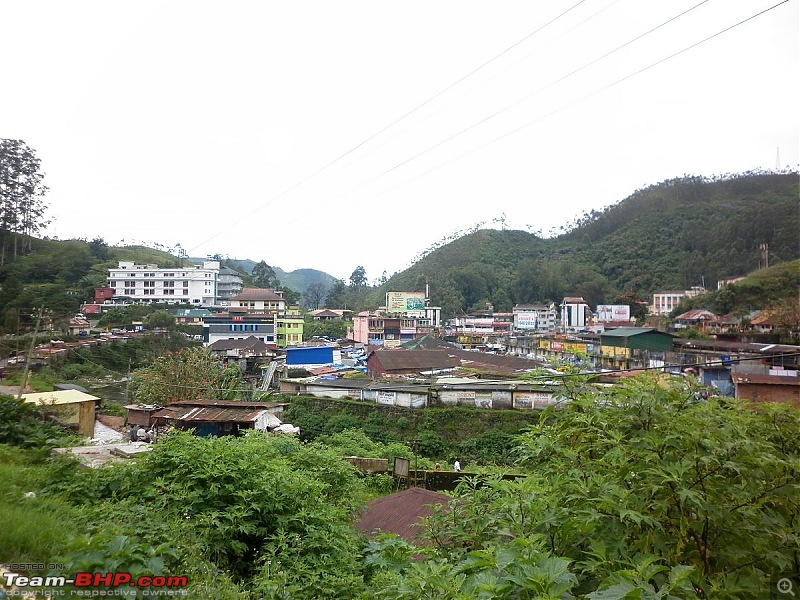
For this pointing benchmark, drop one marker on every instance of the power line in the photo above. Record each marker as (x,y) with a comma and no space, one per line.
(578,100)
(395,122)
(528,96)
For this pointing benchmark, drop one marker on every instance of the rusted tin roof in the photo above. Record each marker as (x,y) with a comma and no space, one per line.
(216,414)
(415,360)
(753,379)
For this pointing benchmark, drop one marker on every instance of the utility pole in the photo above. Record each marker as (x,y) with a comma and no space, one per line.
(30,354)
(764,258)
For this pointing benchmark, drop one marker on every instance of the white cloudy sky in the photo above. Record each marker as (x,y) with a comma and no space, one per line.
(330,135)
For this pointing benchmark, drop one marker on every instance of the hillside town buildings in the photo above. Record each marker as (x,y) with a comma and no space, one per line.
(149,284)
(535,318)
(405,316)
(665,302)
(258,313)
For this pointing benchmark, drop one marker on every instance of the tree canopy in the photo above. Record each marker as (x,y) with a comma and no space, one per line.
(188,374)
(263,276)
(22,193)
(641,491)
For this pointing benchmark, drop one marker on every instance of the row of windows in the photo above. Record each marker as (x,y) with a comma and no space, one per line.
(267,305)
(150,274)
(147,283)
(152,292)
(242,327)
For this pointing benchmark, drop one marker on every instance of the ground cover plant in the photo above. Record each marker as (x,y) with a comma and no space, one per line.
(645,490)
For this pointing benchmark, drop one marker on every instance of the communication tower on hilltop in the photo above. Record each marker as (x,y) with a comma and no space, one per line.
(763,261)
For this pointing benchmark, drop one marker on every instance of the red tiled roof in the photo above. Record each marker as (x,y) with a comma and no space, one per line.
(401,513)
(406,360)
(256,294)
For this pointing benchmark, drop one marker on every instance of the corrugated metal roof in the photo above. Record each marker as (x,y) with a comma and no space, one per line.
(217,414)
(401,513)
(496,363)
(426,360)
(58,397)
(427,342)
(766,379)
(627,331)
(414,360)
(771,349)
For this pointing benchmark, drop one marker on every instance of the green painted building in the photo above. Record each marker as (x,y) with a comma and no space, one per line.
(634,347)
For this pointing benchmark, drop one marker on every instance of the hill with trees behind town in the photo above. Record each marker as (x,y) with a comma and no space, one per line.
(673,235)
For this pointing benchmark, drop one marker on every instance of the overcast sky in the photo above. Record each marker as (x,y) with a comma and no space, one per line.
(330,135)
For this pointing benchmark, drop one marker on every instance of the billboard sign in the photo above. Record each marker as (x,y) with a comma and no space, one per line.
(526,320)
(613,312)
(406,302)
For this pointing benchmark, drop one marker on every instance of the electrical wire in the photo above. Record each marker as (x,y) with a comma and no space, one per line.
(571,103)
(392,124)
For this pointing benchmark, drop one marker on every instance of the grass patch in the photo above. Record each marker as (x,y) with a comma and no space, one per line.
(34,529)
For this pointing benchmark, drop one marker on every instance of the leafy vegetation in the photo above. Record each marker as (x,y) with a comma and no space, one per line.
(641,491)
(477,437)
(767,288)
(334,328)
(188,374)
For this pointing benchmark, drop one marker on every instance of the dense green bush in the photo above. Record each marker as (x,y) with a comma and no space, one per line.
(22,425)
(641,491)
(479,435)
(265,509)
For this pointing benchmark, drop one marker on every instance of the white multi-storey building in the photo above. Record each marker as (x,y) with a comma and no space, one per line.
(229,284)
(665,302)
(535,318)
(574,314)
(192,284)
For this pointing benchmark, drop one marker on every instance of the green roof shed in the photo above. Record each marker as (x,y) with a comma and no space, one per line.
(637,338)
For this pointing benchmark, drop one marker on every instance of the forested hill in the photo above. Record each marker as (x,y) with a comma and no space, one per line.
(675,234)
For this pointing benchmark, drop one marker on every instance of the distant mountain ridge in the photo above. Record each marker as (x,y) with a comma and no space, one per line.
(298,280)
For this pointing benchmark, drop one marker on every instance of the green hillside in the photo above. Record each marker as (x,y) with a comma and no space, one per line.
(673,235)
(686,231)
(298,280)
